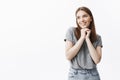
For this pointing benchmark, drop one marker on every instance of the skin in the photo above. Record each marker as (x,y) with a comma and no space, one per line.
(71,50)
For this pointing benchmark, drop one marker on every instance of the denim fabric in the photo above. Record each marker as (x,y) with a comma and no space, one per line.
(83,74)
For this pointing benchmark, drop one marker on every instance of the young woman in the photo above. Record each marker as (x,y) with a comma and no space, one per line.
(83,47)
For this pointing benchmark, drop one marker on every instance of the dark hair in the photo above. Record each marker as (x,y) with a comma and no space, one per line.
(93,36)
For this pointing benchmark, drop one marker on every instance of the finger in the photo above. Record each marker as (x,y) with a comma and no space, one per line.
(88,32)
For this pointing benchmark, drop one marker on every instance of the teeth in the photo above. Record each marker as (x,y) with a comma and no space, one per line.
(83,23)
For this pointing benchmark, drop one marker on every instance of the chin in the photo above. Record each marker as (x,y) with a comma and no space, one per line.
(84,27)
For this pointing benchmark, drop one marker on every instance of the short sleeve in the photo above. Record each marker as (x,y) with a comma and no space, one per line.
(69,35)
(99,41)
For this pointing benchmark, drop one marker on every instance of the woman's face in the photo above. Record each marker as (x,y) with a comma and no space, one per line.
(83,19)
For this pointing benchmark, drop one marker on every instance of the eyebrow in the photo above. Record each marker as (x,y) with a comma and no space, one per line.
(82,15)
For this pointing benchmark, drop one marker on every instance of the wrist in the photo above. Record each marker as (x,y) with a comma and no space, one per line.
(82,37)
(87,38)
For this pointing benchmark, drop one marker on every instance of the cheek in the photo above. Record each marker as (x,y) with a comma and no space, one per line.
(77,20)
(89,20)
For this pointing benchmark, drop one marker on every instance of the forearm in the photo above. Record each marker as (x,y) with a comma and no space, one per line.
(95,56)
(72,52)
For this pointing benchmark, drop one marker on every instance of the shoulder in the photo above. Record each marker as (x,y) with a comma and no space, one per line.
(98,36)
(71,29)
(99,39)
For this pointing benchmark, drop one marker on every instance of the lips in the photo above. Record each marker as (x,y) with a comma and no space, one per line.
(82,24)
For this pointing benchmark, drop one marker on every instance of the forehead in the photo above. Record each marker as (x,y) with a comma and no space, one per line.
(81,12)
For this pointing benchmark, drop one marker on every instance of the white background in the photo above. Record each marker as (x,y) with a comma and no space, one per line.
(32,34)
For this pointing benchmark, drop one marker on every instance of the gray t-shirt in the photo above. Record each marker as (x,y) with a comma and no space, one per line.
(83,59)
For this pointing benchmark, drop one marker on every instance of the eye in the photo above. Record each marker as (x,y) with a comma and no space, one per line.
(85,15)
(78,17)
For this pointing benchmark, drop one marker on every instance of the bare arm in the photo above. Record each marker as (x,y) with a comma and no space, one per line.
(95,53)
(72,50)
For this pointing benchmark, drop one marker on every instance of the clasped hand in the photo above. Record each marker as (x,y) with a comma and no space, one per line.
(85,33)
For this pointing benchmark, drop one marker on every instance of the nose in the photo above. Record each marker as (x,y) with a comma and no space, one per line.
(81,19)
